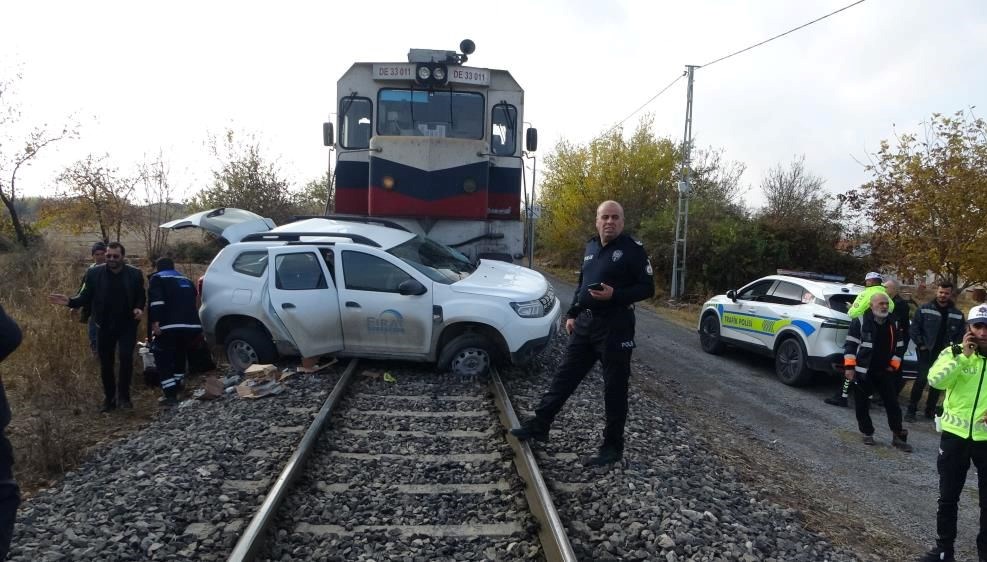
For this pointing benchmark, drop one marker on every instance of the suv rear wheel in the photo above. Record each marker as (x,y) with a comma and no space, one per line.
(248,345)
(467,355)
(791,363)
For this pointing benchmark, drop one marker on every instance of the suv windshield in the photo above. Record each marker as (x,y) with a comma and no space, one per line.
(440,263)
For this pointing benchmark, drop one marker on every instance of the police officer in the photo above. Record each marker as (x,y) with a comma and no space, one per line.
(174,321)
(10,498)
(960,372)
(615,274)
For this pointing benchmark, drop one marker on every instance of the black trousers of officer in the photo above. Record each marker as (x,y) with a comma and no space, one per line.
(10,496)
(955,455)
(171,349)
(607,338)
(925,359)
(119,340)
(885,384)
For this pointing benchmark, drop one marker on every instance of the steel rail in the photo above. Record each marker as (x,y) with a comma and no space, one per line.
(551,530)
(253,538)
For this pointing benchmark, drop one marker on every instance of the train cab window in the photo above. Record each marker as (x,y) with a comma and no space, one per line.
(355,122)
(503,129)
(420,113)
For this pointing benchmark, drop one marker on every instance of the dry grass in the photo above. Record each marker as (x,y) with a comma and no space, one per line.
(52,380)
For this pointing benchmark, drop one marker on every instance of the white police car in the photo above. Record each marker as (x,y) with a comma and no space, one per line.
(354,286)
(800,319)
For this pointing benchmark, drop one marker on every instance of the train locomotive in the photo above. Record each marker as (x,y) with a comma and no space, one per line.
(433,145)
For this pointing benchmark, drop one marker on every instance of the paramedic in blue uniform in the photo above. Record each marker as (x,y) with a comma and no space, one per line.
(615,274)
(174,320)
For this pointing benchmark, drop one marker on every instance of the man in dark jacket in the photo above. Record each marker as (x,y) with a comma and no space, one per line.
(174,321)
(10,497)
(871,356)
(115,294)
(937,325)
(615,274)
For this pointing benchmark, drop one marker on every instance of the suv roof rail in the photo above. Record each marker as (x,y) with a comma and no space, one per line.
(296,237)
(353,218)
(812,275)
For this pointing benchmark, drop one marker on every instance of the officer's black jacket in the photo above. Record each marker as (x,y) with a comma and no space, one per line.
(622,264)
(95,291)
(171,301)
(10,335)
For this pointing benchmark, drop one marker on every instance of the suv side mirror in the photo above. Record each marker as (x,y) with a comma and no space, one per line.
(411,287)
(531,139)
(732,295)
(328,135)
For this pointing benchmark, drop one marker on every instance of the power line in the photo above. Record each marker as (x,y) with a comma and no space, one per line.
(645,104)
(784,34)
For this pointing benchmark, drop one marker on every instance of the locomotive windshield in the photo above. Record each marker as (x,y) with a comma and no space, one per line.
(447,114)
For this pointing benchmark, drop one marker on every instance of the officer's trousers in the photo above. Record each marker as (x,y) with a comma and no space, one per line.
(10,496)
(925,360)
(610,340)
(171,349)
(955,455)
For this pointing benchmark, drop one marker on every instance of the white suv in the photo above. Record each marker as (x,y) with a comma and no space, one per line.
(365,287)
(801,321)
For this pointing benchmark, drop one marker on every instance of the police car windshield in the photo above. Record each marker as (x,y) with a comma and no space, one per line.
(440,263)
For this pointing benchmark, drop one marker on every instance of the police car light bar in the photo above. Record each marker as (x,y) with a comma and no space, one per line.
(812,275)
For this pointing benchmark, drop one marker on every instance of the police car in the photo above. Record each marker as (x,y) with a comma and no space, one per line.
(353,286)
(798,318)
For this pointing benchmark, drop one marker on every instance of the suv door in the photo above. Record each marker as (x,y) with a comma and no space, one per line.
(741,320)
(377,319)
(305,299)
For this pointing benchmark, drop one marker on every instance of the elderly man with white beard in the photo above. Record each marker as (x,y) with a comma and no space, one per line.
(871,357)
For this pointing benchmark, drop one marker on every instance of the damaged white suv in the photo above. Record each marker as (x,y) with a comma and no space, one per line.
(365,287)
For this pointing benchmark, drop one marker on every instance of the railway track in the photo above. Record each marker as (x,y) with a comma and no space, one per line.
(420,469)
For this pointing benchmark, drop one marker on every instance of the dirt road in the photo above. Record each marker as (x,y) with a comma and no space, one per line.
(876,499)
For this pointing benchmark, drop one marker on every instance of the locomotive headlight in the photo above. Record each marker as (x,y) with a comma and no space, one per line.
(439,73)
(388,182)
(469,186)
(424,73)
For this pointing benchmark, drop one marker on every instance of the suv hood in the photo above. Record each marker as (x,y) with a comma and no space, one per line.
(502,279)
(227,223)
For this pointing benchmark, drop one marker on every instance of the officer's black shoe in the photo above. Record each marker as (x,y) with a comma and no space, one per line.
(108,406)
(929,415)
(532,428)
(170,397)
(126,405)
(937,555)
(606,455)
(838,400)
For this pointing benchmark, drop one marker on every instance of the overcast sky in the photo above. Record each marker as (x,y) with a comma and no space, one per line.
(142,77)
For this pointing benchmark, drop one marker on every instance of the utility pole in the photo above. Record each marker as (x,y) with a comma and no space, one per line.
(682,215)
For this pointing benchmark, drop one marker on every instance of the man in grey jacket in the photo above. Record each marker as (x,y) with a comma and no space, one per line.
(937,324)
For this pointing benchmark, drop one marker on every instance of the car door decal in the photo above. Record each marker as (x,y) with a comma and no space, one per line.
(761,324)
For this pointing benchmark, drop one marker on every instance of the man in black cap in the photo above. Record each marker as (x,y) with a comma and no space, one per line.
(114,291)
(175,324)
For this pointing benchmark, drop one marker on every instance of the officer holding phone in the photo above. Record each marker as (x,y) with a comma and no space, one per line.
(616,273)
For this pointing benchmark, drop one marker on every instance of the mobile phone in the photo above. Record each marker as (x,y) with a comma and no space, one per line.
(595,286)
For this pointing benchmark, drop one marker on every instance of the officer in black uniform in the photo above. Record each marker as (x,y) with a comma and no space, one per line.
(616,273)
(174,320)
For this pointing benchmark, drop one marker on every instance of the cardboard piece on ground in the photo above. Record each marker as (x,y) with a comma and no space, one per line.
(257,371)
(212,389)
(252,388)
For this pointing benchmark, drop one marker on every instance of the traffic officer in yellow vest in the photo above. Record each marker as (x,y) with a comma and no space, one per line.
(960,371)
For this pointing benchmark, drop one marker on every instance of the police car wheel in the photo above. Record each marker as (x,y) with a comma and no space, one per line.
(247,346)
(791,363)
(467,355)
(709,335)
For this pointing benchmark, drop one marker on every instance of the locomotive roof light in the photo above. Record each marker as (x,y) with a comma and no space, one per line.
(424,72)
(439,73)
(467,46)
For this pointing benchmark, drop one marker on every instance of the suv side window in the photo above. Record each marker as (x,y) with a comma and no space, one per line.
(787,293)
(251,263)
(756,292)
(363,272)
(299,272)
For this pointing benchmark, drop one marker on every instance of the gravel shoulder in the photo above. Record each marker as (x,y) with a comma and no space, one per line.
(800,451)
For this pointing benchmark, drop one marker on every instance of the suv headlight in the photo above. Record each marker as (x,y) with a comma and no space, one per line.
(538,307)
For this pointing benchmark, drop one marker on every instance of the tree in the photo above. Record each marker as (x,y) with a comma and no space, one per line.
(927,199)
(96,192)
(17,153)
(793,195)
(313,198)
(156,207)
(246,180)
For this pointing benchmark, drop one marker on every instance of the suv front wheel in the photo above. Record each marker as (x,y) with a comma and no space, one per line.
(791,363)
(467,355)
(248,345)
